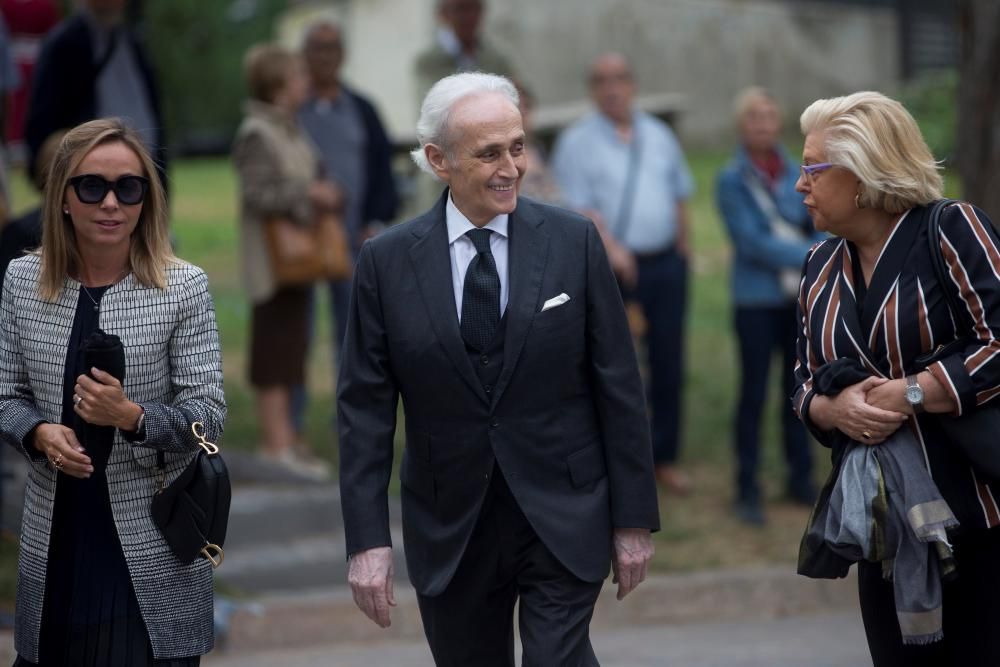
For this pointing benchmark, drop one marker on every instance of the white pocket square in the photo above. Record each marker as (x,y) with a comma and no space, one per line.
(555,301)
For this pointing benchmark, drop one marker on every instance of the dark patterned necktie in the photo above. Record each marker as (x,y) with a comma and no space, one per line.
(481,294)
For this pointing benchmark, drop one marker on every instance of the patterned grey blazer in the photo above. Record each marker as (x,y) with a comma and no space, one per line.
(172,355)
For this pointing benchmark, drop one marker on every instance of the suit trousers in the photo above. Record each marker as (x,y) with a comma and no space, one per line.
(471,623)
(662,292)
(971,609)
(761,331)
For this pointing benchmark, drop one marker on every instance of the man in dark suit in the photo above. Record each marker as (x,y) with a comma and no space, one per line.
(528,466)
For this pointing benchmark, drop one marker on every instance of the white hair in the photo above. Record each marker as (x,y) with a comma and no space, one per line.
(432,127)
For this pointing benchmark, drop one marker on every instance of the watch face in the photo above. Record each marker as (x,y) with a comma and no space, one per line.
(914,395)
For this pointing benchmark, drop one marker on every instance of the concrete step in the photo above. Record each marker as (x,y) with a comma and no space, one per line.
(323,617)
(275,515)
(295,565)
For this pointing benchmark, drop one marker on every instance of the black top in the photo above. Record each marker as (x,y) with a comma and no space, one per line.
(91,617)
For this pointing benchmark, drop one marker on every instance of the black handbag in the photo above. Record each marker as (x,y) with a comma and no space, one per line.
(975,433)
(193,511)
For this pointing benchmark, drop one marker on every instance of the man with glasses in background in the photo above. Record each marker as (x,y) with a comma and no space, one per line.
(356,155)
(625,168)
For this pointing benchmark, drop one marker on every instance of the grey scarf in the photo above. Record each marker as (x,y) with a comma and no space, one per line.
(886,508)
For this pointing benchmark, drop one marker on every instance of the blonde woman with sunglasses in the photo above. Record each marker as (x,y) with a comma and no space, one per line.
(97,583)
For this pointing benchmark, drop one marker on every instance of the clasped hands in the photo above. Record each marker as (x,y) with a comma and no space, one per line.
(369,572)
(870,411)
(98,400)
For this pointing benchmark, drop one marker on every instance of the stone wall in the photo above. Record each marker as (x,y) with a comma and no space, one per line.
(707,50)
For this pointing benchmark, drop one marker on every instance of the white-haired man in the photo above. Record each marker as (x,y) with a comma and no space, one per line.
(528,466)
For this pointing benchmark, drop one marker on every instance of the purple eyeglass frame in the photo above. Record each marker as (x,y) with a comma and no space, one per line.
(808,170)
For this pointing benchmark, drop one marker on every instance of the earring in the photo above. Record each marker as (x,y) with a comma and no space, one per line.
(857,201)
(65,210)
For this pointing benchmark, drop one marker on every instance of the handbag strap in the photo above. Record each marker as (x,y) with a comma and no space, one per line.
(624,220)
(963,321)
(769,207)
(198,431)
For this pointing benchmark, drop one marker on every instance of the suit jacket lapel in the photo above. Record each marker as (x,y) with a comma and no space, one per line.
(432,266)
(848,314)
(888,269)
(527,252)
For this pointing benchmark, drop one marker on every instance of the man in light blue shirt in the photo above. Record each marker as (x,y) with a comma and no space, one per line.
(625,169)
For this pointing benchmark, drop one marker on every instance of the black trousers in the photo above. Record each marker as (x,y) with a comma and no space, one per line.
(761,331)
(971,610)
(471,624)
(662,291)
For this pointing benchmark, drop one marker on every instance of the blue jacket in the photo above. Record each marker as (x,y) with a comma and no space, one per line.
(758,255)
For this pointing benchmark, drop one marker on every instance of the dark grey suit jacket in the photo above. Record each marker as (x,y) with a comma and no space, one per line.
(566,421)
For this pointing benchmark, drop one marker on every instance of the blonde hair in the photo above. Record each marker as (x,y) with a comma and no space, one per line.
(149,250)
(876,138)
(266,68)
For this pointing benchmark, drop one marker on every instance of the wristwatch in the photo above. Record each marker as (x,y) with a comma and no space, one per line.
(914,394)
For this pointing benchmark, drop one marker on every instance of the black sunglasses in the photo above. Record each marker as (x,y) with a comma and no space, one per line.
(92,189)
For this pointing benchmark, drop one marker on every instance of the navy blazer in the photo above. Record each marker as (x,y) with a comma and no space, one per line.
(63,90)
(566,422)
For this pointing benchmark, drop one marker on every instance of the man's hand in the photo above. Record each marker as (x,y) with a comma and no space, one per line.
(370,577)
(633,551)
(624,264)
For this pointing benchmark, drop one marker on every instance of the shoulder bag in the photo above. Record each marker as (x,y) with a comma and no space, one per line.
(977,432)
(192,512)
(304,254)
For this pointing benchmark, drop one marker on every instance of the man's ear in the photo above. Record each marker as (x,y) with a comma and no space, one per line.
(438,160)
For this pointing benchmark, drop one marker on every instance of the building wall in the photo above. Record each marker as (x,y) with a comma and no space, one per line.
(705,49)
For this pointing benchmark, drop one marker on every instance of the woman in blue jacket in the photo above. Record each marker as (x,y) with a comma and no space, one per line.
(771,235)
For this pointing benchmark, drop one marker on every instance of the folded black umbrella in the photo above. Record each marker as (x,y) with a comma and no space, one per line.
(105,352)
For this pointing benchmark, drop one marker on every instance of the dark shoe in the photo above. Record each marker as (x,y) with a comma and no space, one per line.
(750,512)
(673,480)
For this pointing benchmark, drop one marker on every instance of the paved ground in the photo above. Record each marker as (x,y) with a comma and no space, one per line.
(813,640)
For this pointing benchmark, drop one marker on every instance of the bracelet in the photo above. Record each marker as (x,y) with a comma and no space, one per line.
(140,423)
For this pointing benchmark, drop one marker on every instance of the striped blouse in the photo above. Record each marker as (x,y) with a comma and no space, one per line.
(903,314)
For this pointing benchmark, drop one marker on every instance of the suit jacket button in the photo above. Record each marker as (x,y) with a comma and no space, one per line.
(495,423)
(488,388)
(484,360)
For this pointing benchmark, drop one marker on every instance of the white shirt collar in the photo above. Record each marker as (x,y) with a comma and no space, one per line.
(458,224)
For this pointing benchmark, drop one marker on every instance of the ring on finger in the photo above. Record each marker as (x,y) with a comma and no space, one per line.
(58,461)
(77,399)
(867,435)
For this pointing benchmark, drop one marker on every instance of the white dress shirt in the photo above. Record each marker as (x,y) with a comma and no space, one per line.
(462,251)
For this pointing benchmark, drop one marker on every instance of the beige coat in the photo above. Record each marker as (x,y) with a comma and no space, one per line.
(275,163)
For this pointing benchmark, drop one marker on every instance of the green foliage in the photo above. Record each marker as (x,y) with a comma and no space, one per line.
(931,100)
(198,48)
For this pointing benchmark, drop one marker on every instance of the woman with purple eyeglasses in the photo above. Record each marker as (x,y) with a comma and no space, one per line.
(883,363)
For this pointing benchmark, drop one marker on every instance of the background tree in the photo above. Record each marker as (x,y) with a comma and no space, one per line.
(198,49)
(977,153)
